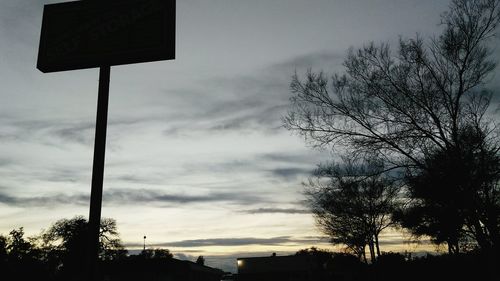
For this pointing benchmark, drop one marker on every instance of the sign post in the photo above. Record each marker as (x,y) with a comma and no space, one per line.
(89,34)
(98,171)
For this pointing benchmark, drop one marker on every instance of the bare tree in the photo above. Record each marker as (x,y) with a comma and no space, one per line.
(411,104)
(352,204)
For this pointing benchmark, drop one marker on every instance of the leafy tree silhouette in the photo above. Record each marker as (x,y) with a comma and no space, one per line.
(352,203)
(200,260)
(156,254)
(67,241)
(3,249)
(322,256)
(19,248)
(455,184)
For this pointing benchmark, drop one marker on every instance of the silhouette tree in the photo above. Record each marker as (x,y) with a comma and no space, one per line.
(18,247)
(200,260)
(55,254)
(21,258)
(156,254)
(162,254)
(322,256)
(412,104)
(110,242)
(67,238)
(352,203)
(454,184)
(147,254)
(3,249)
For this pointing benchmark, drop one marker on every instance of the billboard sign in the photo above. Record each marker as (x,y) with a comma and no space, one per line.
(87,34)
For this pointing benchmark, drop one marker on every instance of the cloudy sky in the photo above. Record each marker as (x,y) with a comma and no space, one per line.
(196,156)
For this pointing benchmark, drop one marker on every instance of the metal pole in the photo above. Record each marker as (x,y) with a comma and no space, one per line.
(98,171)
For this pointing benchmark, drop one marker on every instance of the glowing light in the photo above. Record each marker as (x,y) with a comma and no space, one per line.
(240,263)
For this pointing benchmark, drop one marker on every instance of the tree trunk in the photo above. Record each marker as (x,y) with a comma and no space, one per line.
(377,245)
(492,228)
(453,247)
(479,234)
(372,251)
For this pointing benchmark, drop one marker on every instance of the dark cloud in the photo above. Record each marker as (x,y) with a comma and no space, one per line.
(143,196)
(298,168)
(44,201)
(277,211)
(45,130)
(286,157)
(240,165)
(63,175)
(80,133)
(157,197)
(230,116)
(83,132)
(274,241)
(293,166)
(401,241)
(255,102)
(53,131)
(135,179)
(291,173)
(5,161)
(264,118)
(5,199)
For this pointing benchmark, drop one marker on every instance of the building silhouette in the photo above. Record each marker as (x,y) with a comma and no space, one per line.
(281,268)
(158,270)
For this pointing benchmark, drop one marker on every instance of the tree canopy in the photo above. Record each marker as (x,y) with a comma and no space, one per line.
(69,236)
(352,203)
(415,107)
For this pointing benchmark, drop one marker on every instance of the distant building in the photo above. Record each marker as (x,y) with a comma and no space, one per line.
(158,270)
(280,268)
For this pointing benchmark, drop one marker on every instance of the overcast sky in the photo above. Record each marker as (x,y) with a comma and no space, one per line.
(196,156)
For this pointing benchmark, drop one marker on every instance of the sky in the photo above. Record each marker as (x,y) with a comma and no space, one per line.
(197,158)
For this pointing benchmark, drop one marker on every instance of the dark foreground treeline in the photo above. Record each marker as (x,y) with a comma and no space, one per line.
(395,266)
(392,266)
(133,267)
(471,266)
(60,252)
